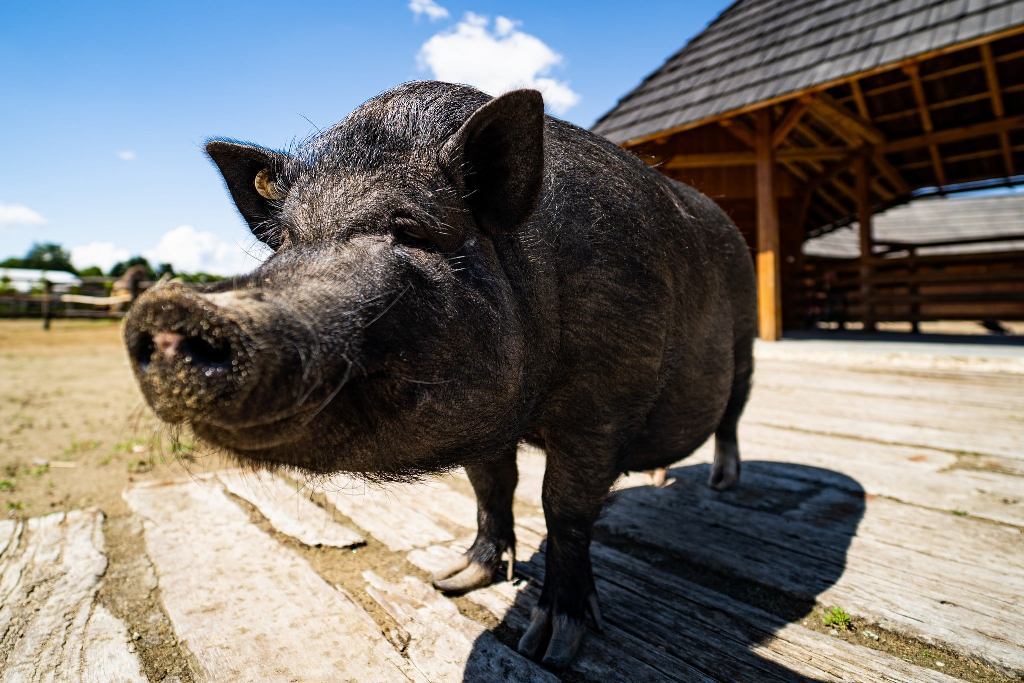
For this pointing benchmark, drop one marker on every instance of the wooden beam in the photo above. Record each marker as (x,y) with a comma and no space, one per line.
(844,121)
(858,97)
(992,77)
(769,244)
(890,173)
(789,121)
(840,185)
(867,254)
(740,131)
(926,120)
(715,159)
(954,134)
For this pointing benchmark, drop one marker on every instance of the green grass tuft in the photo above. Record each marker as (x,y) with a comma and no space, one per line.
(837,617)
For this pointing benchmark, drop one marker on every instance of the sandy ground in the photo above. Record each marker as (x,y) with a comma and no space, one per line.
(74,430)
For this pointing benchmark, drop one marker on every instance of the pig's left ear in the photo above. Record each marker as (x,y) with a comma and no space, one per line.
(496,159)
(250,172)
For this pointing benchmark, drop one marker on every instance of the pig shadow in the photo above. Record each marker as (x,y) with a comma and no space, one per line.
(691,581)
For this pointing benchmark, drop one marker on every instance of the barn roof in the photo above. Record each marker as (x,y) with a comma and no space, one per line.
(935,220)
(759,50)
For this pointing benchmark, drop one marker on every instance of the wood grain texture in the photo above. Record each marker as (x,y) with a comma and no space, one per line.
(246,607)
(51,626)
(288,510)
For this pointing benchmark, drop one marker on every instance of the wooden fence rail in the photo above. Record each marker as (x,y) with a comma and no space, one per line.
(906,286)
(50,304)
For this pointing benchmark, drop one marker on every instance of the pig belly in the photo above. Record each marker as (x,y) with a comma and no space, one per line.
(684,417)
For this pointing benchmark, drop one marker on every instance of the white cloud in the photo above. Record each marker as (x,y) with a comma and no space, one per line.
(18,214)
(190,250)
(126,154)
(102,254)
(431,9)
(497,60)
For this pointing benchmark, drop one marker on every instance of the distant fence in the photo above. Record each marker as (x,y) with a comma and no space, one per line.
(902,285)
(95,297)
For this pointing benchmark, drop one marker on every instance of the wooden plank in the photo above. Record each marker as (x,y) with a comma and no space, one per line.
(288,510)
(246,607)
(897,361)
(769,258)
(711,632)
(912,475)
(614,654)
(727,626)
(374,509)
(987,396)
(830,564)
(442,644)
(867,419)
(51,626)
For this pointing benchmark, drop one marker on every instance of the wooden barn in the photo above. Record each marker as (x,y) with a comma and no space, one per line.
(807,116)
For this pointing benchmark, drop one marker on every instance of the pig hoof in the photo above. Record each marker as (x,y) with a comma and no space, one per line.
(562,634)
(725,471)
(463,575)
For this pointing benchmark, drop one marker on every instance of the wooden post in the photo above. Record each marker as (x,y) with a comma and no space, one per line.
(47,292)
(866,241)
(915,308)
(769,294)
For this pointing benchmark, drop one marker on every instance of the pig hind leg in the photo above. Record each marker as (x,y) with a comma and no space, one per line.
(494,482)
(725,470)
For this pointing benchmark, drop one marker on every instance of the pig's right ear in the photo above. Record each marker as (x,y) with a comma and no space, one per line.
(251,174)
(496,159)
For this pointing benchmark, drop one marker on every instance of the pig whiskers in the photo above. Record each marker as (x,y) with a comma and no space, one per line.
(330,396)
(390,305)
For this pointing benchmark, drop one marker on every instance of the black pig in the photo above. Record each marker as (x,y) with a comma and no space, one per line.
(453,274)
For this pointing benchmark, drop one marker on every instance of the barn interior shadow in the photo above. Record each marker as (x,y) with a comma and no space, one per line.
(702,576)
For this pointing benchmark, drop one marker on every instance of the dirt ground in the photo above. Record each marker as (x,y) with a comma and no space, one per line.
(74,430)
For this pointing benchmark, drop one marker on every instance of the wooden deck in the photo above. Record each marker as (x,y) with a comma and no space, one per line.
(889,487)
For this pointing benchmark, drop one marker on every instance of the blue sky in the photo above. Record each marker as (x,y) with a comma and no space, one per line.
(105,106)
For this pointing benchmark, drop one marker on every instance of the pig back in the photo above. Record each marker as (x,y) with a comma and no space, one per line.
(649,285)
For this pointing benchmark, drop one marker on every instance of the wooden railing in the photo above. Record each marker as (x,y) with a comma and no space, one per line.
(91,301)
(905,286)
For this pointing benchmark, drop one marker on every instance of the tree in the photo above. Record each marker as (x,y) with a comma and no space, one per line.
(118,269)
(164,269)
(44,256)
(91,271)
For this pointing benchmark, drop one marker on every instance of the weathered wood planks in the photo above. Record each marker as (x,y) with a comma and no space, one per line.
(248,608)
(51,626)
(287,510)
(444,645)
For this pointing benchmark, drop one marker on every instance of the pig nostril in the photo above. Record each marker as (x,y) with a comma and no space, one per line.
(143,350)
(203,353)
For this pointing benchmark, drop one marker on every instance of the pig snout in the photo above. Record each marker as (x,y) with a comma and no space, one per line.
(188,353)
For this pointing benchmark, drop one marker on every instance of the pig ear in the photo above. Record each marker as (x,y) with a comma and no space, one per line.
(496,159)
(250,172)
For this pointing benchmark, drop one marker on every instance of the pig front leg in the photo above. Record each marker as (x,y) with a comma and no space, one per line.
(494,483)
(573,493)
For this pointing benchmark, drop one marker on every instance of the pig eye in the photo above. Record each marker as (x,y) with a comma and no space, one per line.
(266,186)
(411,230)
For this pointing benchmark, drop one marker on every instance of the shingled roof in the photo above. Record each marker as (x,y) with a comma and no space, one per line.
(763,50)
(935,220)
